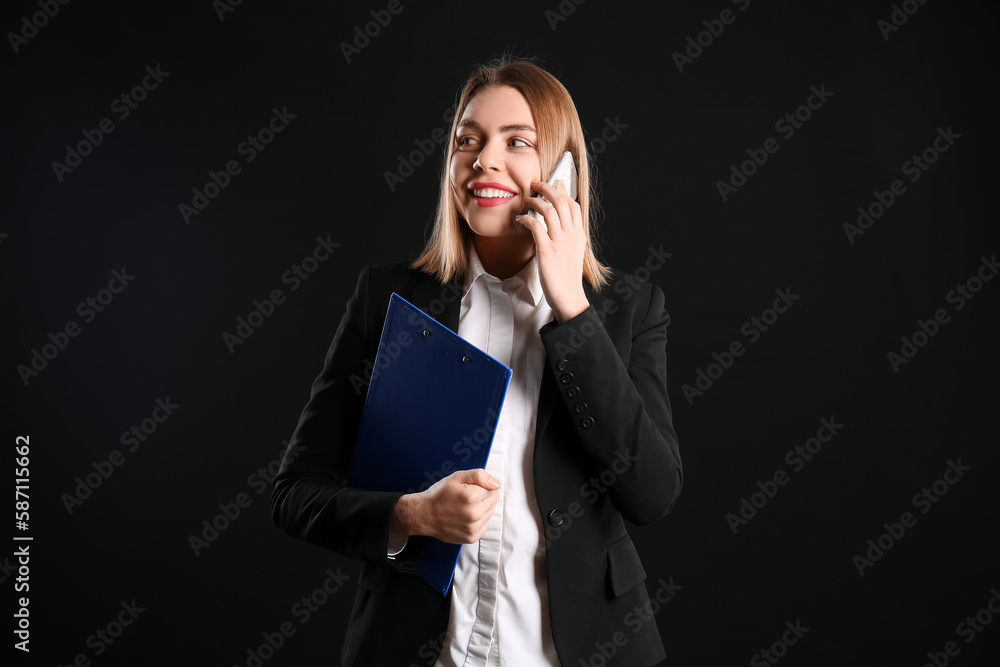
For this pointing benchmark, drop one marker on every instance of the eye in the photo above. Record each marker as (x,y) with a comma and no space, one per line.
(522,142)
(465,140)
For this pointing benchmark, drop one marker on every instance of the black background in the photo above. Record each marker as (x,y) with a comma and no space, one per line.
(324,175)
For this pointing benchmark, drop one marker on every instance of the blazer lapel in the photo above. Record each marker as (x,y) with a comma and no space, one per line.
(442,301)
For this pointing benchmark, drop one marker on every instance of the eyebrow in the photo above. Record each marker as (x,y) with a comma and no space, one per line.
(517,127)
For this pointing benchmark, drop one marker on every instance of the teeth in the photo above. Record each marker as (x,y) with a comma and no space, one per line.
(492,192)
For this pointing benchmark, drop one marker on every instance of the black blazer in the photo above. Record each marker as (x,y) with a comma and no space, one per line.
(605,449)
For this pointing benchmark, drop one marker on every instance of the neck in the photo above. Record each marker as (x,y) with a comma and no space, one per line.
(503,257)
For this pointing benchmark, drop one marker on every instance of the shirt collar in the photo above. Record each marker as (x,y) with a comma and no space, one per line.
(526,281)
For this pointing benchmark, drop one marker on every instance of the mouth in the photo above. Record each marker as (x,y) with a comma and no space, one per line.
(492,194)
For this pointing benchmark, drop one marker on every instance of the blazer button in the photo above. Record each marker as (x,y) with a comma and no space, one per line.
(587,422)
(580,408)
(556,518)
(562,365)
(573,391)
(566,378)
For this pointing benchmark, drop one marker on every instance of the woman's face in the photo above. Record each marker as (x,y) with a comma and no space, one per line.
(495,161)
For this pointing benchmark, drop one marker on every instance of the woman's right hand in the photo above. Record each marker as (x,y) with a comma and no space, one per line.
(456,509)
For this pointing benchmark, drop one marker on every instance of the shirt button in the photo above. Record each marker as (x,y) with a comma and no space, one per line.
(580,408)
(556,518)
(566,378)
(587,422)
(573,391)
(562,365)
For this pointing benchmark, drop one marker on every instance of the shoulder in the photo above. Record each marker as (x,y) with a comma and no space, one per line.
(630,301)
(378,281)
(392,276)
(628,294)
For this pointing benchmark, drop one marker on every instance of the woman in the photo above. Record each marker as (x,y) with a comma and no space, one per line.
(584,440)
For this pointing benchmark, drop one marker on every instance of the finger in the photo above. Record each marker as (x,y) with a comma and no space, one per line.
(548,208)
(482,478)
(551,214)
(477,500)
(543,188)
(566,207)
(575,217)
(466,476)
(576,212)
(538,229)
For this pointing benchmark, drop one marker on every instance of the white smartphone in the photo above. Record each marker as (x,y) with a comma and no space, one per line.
(566,171)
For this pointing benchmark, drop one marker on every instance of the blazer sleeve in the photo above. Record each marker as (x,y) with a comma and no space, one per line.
(310,499)
(621,413)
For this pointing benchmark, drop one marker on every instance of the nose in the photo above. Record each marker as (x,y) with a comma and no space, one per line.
(490,158)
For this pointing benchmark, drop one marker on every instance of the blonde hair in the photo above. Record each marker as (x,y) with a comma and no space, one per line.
(446,254)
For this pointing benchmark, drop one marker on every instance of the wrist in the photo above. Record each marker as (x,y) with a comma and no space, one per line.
(406,515)
(571,308)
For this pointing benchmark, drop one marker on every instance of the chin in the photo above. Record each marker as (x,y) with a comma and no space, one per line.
(496,228)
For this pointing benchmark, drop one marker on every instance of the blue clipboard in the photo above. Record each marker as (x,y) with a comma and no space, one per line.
(432,408)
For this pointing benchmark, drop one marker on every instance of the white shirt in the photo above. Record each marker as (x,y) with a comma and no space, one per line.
(499,611)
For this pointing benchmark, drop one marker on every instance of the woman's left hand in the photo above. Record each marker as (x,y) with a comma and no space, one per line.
(560,250)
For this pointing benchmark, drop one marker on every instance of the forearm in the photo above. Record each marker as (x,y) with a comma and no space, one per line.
(310,498)
(348,521)
(621,414)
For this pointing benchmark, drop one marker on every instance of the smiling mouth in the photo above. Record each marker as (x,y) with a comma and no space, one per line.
(491,197)
(491,193)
